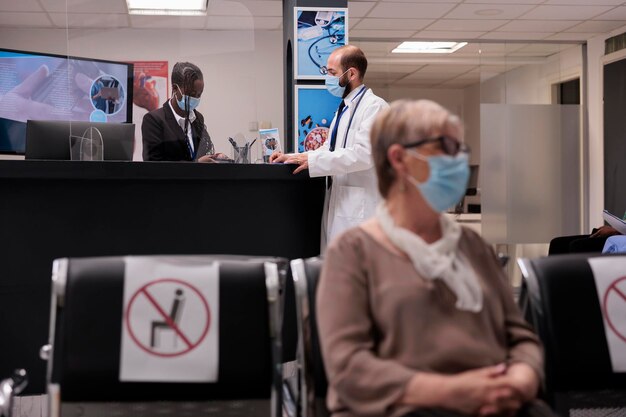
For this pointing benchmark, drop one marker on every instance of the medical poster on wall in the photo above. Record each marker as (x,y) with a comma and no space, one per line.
(315,109)
(318,32)
(150,91)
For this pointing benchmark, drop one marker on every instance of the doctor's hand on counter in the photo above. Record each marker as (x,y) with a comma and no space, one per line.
(301,159)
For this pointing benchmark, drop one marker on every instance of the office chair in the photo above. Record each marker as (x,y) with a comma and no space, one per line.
(313,382)
(560,300)
(85,336)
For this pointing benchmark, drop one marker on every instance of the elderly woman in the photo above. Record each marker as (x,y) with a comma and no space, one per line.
(414,313)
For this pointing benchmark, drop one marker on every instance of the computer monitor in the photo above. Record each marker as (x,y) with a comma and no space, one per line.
(60,87)
(50,139)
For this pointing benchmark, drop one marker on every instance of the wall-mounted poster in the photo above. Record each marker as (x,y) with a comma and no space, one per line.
(150,91)
(315,109)
(318,33)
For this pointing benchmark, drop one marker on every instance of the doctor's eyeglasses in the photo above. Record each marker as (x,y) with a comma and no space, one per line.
(449,146)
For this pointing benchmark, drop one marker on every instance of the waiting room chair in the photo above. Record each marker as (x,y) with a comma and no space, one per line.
(560,300)
(313,382)
(85,335)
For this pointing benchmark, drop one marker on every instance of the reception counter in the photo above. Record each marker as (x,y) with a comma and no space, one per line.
(52,209)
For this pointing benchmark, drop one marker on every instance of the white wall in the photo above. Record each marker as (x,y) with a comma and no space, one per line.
(243,70)
(532,83)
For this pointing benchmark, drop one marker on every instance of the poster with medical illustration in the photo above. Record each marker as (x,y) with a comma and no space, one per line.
(315,109)
(150,91)
(318,32)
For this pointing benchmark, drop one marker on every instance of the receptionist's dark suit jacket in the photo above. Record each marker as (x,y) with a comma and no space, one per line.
(164,140)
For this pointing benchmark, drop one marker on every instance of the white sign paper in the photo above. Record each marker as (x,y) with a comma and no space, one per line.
(170,320)
(610,277)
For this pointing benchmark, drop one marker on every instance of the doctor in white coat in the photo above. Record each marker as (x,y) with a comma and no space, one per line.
(346,156)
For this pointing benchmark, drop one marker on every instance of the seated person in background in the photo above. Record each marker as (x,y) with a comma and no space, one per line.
(175,132)
(414,312)
(582,243)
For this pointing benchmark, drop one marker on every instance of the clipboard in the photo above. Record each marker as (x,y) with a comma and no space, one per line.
(615,222)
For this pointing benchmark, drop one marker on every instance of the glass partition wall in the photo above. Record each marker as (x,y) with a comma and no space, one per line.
(236,44)
(521,104)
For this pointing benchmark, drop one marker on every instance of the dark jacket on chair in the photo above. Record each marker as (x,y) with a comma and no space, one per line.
(164,139)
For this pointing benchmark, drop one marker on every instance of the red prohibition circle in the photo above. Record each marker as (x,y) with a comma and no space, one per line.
(191,347)
(613,287)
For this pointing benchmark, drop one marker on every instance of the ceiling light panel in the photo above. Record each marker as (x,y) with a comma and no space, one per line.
(167,7)
(410,47)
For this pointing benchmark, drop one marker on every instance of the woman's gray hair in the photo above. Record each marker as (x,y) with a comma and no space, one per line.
(407,121)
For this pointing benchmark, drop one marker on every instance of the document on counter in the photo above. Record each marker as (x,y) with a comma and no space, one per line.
(615,222)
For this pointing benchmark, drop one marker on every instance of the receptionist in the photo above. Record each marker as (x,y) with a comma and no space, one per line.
(176,131)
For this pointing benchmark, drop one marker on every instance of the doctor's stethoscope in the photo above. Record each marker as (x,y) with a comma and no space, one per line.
(334,37)
(358,99)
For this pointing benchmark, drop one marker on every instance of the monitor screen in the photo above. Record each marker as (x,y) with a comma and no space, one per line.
(38,86)
(61,140)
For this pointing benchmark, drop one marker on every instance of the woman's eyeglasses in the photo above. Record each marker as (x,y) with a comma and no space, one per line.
(449,146)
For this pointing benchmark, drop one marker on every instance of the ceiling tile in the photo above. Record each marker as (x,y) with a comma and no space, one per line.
(227,8)
(24,19)
(167,22)
(496,3)
(85,6)
(393,24)
(538,25)
(460,83)
(495,69)
(373,46)
(491,11)
(586,2)
(452,69)
(543,49)
(90,20)
(599,26)
(421,10)
(421,82)
(565,12)
(565,36)
(230,23)
(423,1)
(381,34)
(497,35)
(392,67)
(471,75)
(618,13)
(448,35)
(432,76)
(359,9)
(20,6)
(263,8)
(466,25)
(382,76)
(499,49)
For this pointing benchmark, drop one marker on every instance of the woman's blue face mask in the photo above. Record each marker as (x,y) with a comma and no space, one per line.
(447,181)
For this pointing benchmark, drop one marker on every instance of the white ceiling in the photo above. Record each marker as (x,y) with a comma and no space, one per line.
(377,27)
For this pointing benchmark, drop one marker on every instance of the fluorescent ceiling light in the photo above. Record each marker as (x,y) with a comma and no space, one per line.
(428,47)
(167,7)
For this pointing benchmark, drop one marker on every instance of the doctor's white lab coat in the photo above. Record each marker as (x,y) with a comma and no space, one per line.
(354,194)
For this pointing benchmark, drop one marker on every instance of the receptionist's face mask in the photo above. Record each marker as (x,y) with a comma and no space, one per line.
(193,102)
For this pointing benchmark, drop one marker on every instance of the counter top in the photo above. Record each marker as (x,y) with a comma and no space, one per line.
(111,170)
